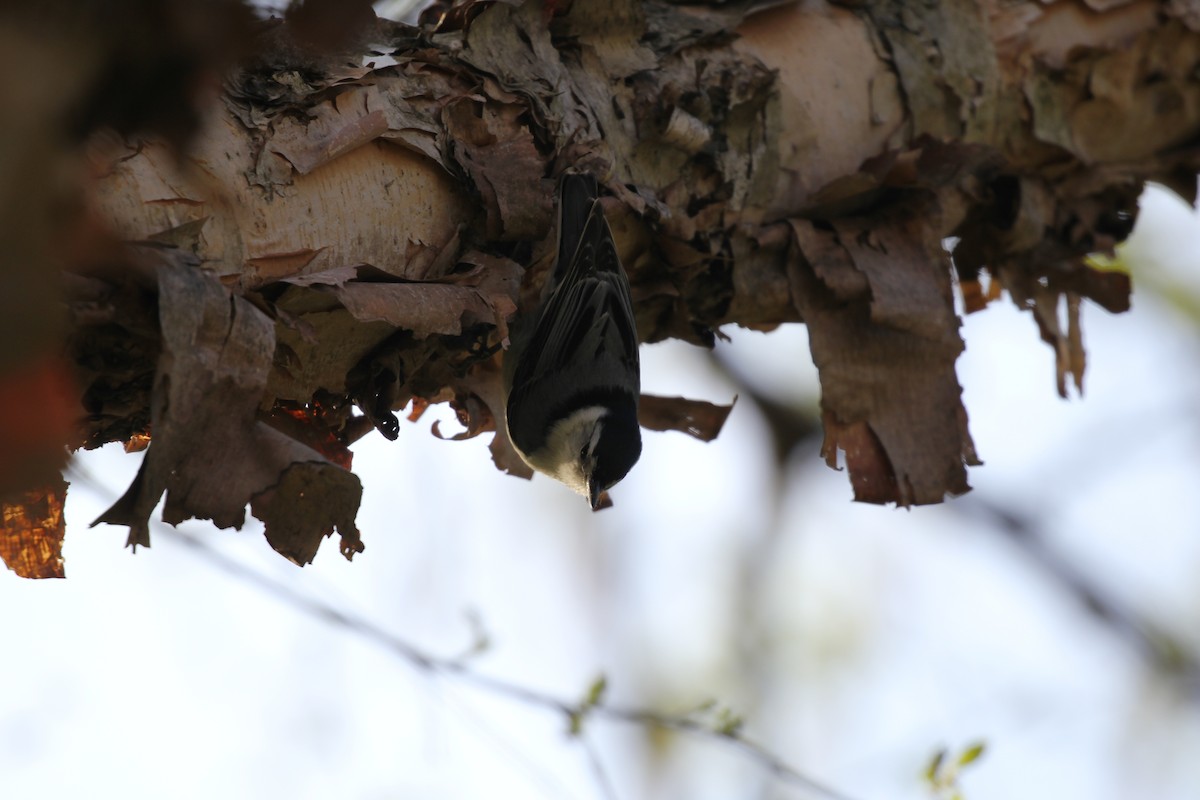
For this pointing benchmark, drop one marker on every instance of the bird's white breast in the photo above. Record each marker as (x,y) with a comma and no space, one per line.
(559,457)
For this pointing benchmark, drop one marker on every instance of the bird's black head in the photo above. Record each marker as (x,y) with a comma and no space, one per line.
(617,450)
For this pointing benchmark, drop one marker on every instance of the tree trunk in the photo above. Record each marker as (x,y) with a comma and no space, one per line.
(344,236)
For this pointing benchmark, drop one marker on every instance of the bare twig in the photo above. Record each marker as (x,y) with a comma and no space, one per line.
(574,711)
(603,781)
(1152,641)
(460,669)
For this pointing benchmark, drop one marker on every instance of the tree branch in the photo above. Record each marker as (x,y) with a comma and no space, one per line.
(1157,646)
(458,668)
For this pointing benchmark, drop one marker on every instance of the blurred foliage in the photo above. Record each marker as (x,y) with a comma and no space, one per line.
(943,771)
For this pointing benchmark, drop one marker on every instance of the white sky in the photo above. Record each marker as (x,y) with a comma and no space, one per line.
(855,640)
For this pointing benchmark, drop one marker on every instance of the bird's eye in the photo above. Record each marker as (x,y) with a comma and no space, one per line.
(583,453)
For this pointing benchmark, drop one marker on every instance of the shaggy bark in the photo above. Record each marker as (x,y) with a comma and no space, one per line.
(352,232)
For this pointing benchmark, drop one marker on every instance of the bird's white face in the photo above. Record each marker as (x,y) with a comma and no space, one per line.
(568,454)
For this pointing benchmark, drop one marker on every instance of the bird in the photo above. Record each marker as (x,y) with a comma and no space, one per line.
(572,372)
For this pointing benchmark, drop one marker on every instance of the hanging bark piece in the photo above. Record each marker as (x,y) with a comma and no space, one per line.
(478,398)
(697,418)
(874,290)
(209,453)
(885,338)
(309,502)
(1007,234)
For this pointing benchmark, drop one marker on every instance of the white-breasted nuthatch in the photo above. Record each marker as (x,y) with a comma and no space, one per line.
(572,372)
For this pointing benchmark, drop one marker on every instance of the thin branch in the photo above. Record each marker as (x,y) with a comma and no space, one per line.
(459,669)
(547,781)
(1154,643)
(607,790)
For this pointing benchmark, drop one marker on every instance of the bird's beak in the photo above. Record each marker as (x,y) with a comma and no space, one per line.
(594,492)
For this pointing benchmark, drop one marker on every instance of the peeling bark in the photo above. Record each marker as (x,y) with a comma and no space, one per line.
(208,452)
(360,236)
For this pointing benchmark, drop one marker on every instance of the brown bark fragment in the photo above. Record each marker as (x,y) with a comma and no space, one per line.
(500,155)
(885,353)
(871,474)
(209,453)
(479,402)
(697,418)
(310,502)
